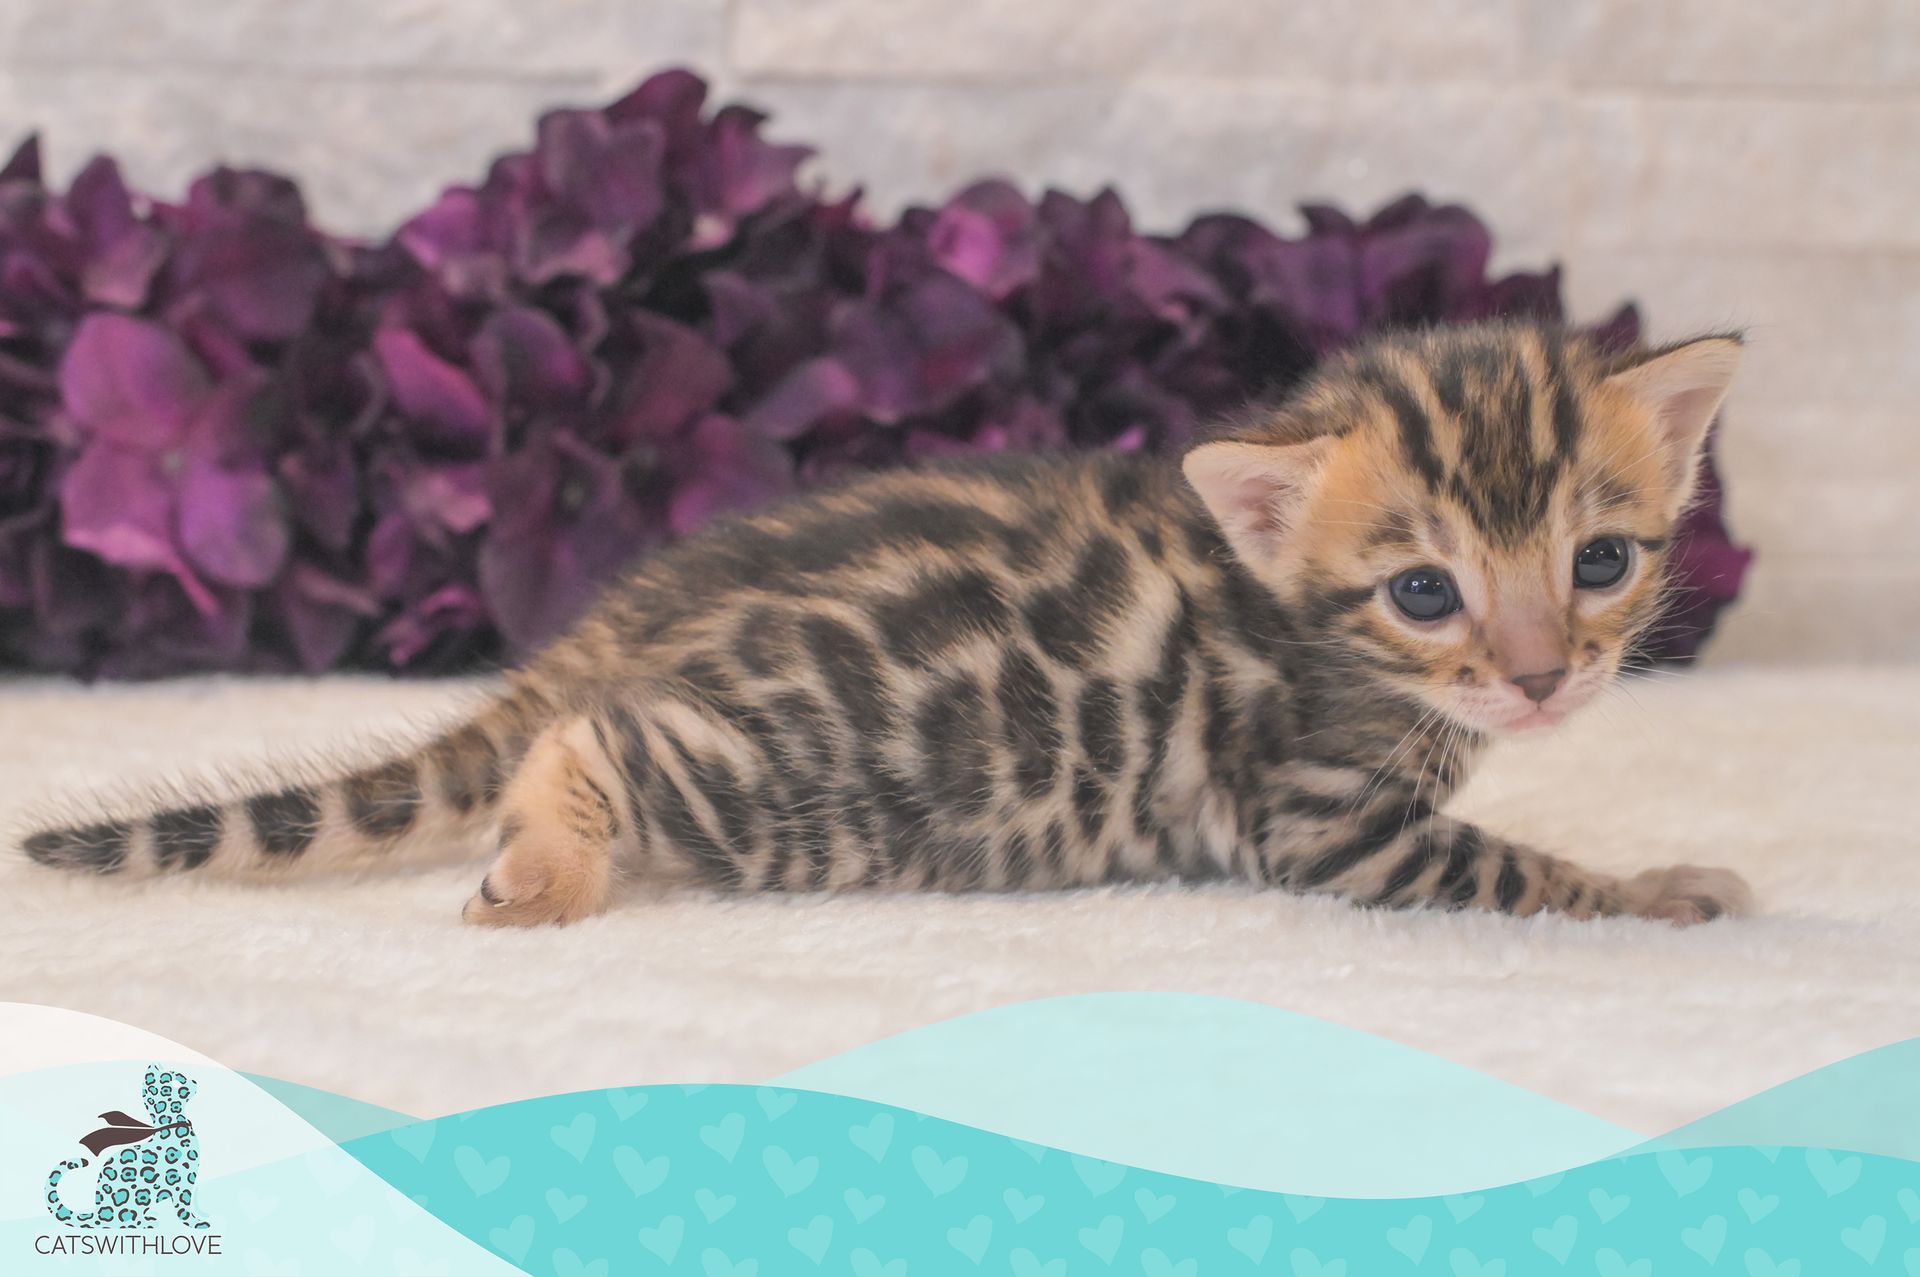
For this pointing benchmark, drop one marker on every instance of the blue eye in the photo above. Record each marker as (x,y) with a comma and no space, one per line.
(1600,563)
(1425,594)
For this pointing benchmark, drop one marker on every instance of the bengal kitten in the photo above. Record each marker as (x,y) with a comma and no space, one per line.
(1056,673)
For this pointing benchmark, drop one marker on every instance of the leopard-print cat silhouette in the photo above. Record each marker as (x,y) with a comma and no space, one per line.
(158,1164)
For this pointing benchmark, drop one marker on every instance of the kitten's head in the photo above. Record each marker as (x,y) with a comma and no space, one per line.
(1479,516)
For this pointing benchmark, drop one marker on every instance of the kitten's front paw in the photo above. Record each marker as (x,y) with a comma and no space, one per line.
(1687,894)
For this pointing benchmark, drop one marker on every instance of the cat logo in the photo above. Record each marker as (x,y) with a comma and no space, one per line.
(146,1167)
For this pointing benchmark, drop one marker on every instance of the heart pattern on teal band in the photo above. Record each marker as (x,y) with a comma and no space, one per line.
(729,1181)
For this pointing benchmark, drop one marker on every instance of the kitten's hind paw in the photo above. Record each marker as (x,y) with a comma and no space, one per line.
(535,895)
(557,830)
(1687,894)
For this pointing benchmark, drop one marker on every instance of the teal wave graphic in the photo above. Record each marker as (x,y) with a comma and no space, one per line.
(731,1181)
(1869,1102)
(1818,1176)
(336,1116)
(1219,1089)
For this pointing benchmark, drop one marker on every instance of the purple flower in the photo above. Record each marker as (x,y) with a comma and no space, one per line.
(669,375)
(567,520)
(989,236)
(165,479)
(434,395)
(230,440)
(118,252)
(921,345)
(245,253)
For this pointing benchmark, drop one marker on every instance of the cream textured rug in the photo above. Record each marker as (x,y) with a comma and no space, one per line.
(1804,780)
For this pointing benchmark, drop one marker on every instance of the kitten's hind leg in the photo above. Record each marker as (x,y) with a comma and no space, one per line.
(561,823)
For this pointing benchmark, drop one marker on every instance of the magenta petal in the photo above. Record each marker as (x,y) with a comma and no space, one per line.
(522,356)
(233,524)
(122,273)
(1416,263)
(322,614)
(454,226)
(724,467)
(680,375)
(972,247)
(453,496)
(816,389)
(554,243)
(448,610)
(462,240)
(325,494)
(130,381)
(742,171)
(263,280)
(122,252)
(430,390)
(24,164)
(989,236)
(925,347)
(566,526)
(391,553)
(609,172)
(114,502)
(738,306)
(672,97)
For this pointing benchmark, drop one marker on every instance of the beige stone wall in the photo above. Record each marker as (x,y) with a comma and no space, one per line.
(1748,162)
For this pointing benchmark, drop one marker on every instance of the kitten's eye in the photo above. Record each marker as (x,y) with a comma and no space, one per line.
(1425,594)
(1600,563)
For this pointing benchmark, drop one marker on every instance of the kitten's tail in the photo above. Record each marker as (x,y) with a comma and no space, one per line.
(431,804)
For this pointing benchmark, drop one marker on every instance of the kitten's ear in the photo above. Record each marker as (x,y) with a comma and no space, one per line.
(1256,491)
(1682,388)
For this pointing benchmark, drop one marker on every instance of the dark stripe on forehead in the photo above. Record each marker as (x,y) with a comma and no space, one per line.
(1416,429)
(1518,408)
(1566,408)
(1450,383)
(1501,482)
(1462,374)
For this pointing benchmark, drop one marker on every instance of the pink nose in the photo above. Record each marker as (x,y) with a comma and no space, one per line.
(1539,686)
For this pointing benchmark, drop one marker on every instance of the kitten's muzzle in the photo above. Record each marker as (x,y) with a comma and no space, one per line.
(1537,687)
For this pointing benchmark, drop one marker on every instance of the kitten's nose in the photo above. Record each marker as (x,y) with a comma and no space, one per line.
(1539,686)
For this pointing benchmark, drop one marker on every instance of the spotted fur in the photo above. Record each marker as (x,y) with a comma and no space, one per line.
(1046,673)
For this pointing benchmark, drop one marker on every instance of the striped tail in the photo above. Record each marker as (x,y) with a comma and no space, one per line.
(433,804)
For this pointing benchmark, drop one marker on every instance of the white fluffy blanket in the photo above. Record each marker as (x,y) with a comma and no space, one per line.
(1802,779)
